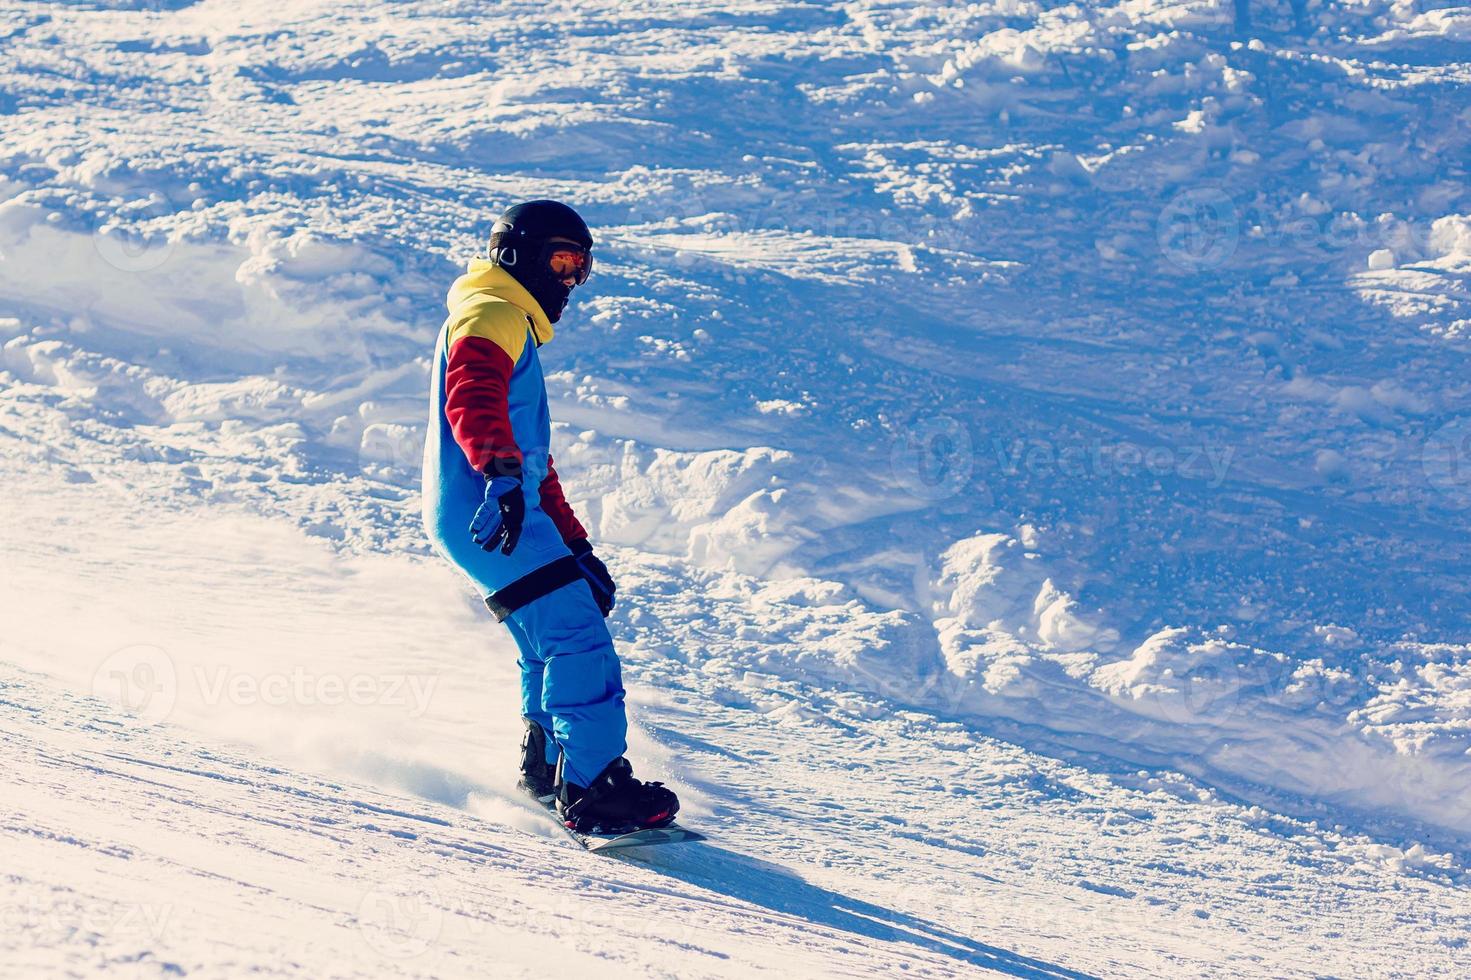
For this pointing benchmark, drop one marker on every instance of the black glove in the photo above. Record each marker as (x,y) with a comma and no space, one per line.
(497,523)
(596,574)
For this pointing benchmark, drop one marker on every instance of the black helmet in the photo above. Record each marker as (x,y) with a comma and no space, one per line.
(519,243)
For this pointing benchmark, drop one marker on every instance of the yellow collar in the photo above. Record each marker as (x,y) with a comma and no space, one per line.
(483,277)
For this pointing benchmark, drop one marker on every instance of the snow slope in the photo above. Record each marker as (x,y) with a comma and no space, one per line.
(1036,432)
(136,847)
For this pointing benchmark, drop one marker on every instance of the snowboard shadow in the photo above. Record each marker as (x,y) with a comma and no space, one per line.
(779,890)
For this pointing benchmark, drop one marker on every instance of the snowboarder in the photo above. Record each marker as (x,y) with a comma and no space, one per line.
(494,507)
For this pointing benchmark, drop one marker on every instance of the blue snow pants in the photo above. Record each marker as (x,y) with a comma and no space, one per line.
(571,681)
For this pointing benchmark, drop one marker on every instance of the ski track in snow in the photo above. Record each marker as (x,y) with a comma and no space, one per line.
(202,862)
(198,846)
(1161,667)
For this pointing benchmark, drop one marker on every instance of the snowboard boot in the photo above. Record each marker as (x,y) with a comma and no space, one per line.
(615,803)
(538,776)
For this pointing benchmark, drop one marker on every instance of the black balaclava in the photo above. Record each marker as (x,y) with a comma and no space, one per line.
(517,241)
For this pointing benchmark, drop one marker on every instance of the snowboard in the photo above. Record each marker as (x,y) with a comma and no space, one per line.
(606,843)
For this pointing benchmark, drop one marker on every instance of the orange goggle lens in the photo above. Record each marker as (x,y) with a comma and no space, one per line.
(570,262)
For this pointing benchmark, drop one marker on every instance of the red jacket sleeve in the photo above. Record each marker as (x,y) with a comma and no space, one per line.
(554,502)
(476,381)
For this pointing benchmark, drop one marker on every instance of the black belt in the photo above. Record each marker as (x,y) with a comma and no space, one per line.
(528,588)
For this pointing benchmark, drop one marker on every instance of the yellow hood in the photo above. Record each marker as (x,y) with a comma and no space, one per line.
(483,281)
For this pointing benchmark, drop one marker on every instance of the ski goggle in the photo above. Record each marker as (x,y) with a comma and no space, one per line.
(568,261)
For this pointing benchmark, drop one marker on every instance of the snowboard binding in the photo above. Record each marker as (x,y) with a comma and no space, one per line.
(538,776)
(615,802)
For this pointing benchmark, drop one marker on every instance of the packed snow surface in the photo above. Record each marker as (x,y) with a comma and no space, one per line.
(1033,443)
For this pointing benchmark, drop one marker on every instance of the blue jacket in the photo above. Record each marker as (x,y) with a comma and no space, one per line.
(487,415)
